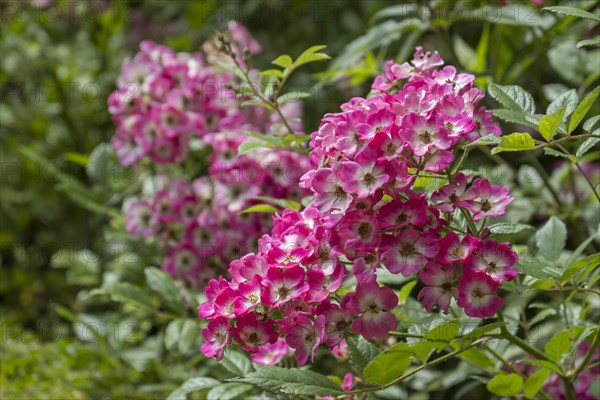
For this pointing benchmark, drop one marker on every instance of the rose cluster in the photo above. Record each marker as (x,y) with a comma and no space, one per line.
(165,102)
(367,214)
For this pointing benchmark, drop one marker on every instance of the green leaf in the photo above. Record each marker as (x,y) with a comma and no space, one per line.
(310,55)
(513,97)
(389,365)
(505,228)
(558,345)
(283,61)
(272,72)
(517,117)
(237,363)
(259,208)
(549,124)
(127,293)
(534,383)
(172,333)
(517,141)
(574,12)
(235,69)
(505,384)
(486,140)
(160,282)
(228,391)
(586,146)
(362,351)
(444,332)
(192,385)
(589,42)
(583,108)
(406,289)
(551,238)
(283,203)
(422,350)
(545,364)
(591,123)
(188,335)
(292,96)
(291,381)
(247,147)
(555,153)
(589,263)
(77,158)
(567,100)
(477,357)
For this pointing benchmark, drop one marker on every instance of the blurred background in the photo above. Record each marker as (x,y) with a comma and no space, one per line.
(60,235)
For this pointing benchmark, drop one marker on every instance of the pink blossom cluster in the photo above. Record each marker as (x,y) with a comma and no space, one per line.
(367,214)
(165,99)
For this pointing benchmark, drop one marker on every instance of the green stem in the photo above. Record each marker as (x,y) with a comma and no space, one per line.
(470,221)
(587,178)
(518,341)
(588,355)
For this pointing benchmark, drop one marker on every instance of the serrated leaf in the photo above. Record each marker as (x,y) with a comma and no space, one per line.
(188,335)
(517,117)
(291,381)
(485,140)
(192,385)
(361,351)
(567,100)
(505,228)
(505,384)
(517,141)
(389,364)
(228,391)
(513,97)
(586,146)
(550,123)
(555,153)
(444,332)
(573,12)
(551,238)
(160,282)
(534,383)
(583,108)
(283,61)
(558,345)
(589,42)
(237,363)
(259,208)
(127,293)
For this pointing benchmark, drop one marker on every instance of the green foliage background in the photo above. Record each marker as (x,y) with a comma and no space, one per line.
(61,234)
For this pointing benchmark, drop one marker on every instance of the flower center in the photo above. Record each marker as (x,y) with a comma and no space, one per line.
(369,258)
(446,287)
(364,230)
(253,298)
(491,267)
(486,205)
(453,198)
(478,293)
(310,338)
(374,309)
(324,253)
(339,192)
(369,179)
(391,149)
(219,337)
(458,252)
(253,338)
(289,259)
(425,137)
(283,292)
(408,250)
(401,218)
